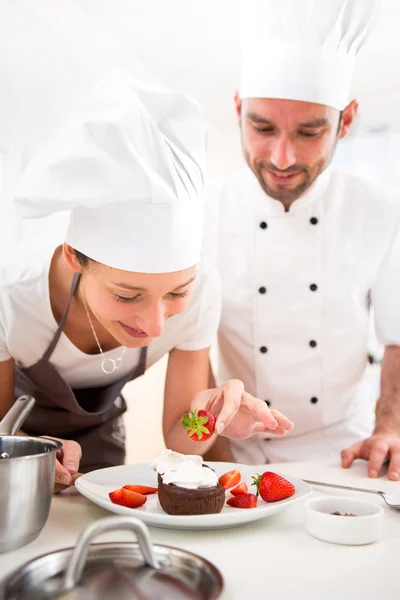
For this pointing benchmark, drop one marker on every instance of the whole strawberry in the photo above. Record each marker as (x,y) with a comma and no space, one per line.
(273,487)
(200,424)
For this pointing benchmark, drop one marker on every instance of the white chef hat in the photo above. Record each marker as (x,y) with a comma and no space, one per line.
(302,49)
(129,164)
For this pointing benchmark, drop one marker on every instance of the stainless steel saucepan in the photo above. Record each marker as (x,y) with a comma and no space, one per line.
(27,469)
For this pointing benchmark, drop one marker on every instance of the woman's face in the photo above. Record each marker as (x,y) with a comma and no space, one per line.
(133,307)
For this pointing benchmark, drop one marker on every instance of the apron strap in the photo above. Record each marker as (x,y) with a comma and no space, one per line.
(46,356)
(142,359)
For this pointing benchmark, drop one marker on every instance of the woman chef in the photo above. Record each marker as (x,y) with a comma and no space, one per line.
(78,321)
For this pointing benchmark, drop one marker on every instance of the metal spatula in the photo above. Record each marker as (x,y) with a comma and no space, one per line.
(389,501)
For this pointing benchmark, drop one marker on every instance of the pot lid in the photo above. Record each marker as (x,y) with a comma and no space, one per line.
(116,571)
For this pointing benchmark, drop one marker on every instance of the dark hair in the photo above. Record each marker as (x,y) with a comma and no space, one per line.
(83,260)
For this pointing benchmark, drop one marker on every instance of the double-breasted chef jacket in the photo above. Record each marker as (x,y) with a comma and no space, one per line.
(298,287)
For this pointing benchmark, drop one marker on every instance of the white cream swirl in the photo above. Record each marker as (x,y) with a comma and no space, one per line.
(184,470)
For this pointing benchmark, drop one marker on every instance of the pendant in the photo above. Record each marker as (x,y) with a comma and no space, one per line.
(118,362)
(108,365)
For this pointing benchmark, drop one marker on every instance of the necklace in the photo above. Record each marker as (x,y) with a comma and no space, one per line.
(108,365)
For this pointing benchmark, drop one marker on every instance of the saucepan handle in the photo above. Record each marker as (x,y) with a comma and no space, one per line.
(78,559)
(17,414)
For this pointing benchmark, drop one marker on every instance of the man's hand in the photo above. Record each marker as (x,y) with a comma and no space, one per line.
(377,449)
(67,464)
(384,443)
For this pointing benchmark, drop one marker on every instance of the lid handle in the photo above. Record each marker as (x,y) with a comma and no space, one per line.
(17,414)
(78,559)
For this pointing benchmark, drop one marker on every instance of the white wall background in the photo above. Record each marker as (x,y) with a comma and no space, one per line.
(51,53)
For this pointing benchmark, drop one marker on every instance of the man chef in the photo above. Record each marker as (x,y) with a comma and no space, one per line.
(305,252)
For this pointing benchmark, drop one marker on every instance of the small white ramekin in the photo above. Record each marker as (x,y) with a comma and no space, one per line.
(365,528)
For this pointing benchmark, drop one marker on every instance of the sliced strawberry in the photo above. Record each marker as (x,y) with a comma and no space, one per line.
(240,489)
(243,501)
(230,479)
(200,424)
(273,487)
(126,498)
(116,496)
(141,489)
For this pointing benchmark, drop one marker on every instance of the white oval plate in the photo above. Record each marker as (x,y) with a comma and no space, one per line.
(97,485)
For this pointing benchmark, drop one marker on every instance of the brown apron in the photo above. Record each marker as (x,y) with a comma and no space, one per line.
(90,416)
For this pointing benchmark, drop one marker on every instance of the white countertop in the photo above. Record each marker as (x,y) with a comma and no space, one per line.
(274,557)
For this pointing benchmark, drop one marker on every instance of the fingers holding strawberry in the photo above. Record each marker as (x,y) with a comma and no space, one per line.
(199,424)
(228,401)
(239,415)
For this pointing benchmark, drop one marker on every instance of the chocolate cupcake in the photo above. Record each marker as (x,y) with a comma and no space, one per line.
(178,500)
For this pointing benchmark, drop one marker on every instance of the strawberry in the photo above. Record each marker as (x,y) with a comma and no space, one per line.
(126,498)
(141,489)
(240,489)
(243,501)
(273,487)
(200,424)
(230,479)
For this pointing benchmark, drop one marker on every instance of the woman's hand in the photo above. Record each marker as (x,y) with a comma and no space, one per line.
(239,414)
(67,464)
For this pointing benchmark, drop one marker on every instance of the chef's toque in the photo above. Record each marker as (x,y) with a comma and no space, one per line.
(129,165)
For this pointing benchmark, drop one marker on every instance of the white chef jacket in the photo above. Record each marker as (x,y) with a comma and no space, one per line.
(297,291)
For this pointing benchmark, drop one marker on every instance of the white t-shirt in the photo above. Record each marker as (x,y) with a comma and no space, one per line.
(27,324)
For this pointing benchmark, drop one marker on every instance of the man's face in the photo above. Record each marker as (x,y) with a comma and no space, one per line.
(288,143)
